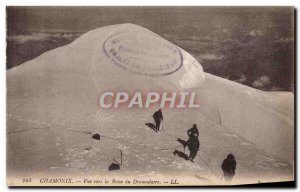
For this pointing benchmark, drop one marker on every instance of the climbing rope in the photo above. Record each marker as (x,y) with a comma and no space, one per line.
(85,132)
(101,135)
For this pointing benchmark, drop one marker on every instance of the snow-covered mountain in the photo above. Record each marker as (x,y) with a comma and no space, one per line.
(52,106)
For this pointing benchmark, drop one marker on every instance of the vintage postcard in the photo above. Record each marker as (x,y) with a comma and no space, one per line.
(150,96)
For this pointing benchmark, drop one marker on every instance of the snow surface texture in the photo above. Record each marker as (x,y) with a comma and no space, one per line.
(52,99)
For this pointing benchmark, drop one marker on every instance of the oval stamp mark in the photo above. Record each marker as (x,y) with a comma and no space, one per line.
(143,53)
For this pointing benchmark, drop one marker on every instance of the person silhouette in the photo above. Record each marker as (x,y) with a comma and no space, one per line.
(193,130)
(228,167)
(158,117)
(193,145)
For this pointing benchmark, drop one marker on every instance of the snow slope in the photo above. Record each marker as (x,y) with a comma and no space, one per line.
(264,118)
(57,93)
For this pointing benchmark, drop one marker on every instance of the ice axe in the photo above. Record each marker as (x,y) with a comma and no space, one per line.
(116,166)
(183,142)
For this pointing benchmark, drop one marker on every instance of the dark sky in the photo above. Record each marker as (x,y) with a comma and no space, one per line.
(28,19)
